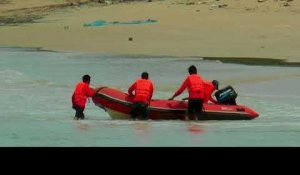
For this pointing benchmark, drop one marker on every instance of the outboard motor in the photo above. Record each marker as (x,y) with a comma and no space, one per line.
(226,95)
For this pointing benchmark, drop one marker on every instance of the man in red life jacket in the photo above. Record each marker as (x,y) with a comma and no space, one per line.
(143,93)
(209,88)
(195,86)
(81,93)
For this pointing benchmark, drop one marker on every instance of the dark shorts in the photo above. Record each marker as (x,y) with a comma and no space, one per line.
(139,110)
(79,112)
(195,108)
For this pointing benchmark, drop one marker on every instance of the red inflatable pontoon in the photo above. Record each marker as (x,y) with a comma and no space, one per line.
(118,105)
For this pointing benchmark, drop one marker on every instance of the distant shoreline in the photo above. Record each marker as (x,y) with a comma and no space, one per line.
(232,60)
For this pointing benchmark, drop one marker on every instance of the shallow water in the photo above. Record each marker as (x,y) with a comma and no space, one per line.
(36,89)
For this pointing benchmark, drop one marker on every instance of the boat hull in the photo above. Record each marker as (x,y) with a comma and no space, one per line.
(119,105)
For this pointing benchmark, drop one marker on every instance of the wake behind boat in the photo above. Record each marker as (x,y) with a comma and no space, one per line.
(118,105)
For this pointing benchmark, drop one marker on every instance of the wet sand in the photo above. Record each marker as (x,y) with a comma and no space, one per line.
(231,30)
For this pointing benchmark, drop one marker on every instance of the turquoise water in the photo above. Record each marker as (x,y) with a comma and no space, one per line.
(100,23)
(36,89)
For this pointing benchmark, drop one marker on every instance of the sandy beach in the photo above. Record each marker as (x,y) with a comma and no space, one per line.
(202,28)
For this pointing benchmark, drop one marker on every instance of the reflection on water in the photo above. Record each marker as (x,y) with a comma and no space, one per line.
(194,128)
(195,131)
(36,89)
(142,130)
(81,126)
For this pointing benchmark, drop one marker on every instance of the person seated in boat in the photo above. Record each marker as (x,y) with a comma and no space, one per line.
(80,95)
(195,85)
(209,88)
(143,91)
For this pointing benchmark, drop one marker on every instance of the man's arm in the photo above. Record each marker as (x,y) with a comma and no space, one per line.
(151,90)
(180,90)
(73,102)
(91,92)
(131,89)
(212,100)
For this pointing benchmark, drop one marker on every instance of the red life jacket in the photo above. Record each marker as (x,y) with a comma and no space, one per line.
(143,90)
(208,89)
(81,93)
(195,86)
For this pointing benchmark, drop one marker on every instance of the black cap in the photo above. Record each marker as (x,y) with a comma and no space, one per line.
(86,78)
(145,75)
(192,69)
